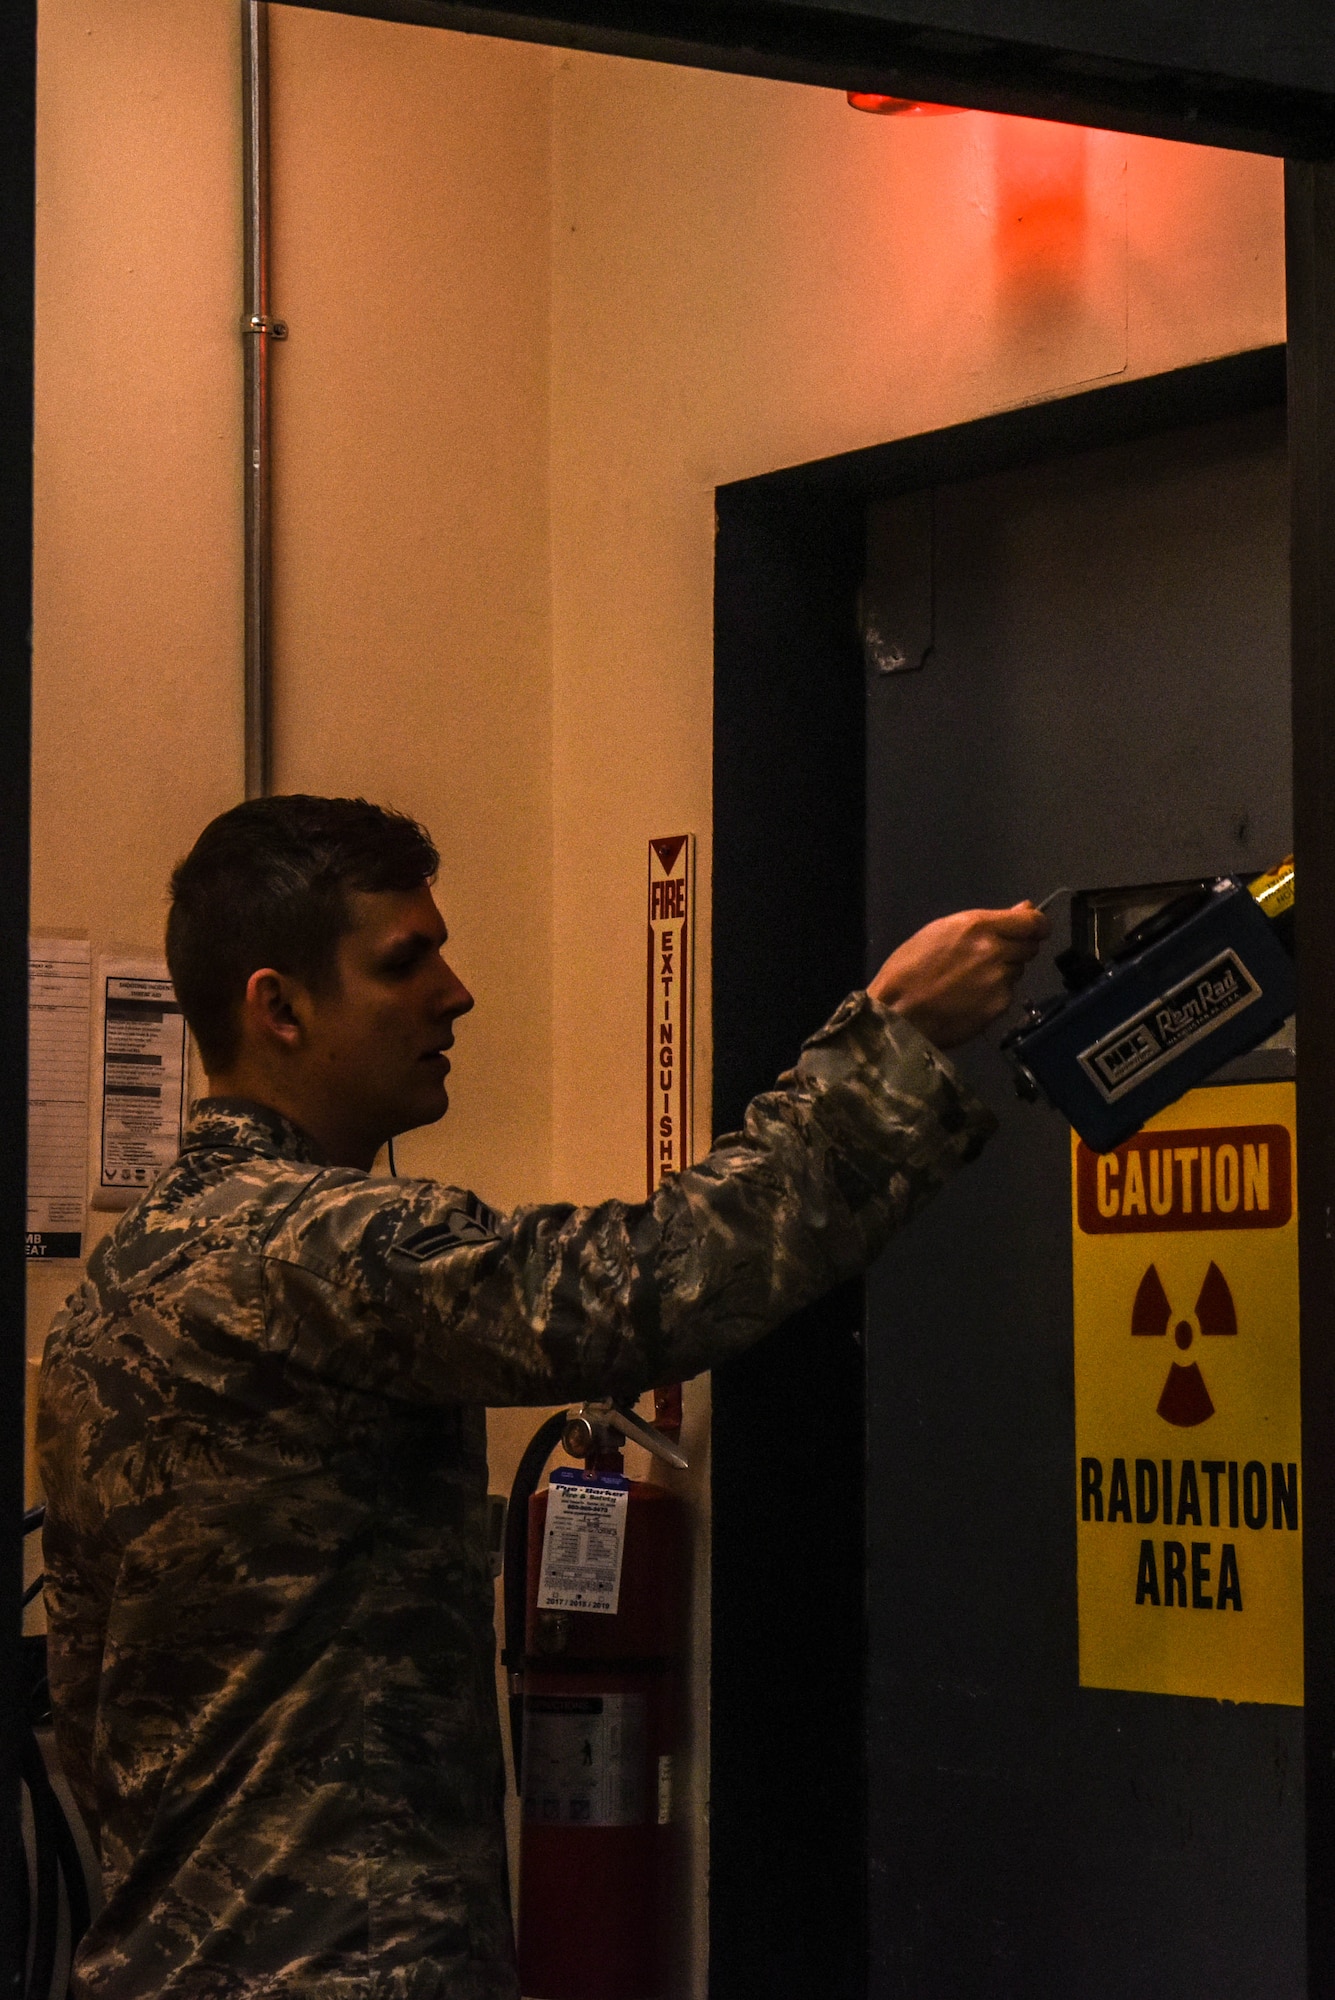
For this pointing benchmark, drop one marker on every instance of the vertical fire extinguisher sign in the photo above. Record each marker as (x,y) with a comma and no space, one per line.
(669,1068)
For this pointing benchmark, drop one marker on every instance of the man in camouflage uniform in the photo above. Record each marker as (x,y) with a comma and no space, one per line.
(263,1414)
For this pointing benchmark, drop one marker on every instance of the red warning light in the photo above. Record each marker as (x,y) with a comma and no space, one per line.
(895,107)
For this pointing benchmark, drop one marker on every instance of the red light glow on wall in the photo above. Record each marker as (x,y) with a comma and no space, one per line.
(1043,206)
(1040,190)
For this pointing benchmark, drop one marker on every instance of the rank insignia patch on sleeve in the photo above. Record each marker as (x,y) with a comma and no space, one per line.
(474,1224)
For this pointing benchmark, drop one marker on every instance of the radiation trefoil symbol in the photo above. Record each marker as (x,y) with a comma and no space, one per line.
(1185,1399)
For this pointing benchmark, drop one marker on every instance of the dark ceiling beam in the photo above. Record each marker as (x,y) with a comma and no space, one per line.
(1207,74)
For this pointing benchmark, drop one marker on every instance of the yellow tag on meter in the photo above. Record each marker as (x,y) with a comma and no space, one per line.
(1274,890)
(1188,1486)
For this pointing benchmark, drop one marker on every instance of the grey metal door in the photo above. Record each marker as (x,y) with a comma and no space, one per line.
(1106,701)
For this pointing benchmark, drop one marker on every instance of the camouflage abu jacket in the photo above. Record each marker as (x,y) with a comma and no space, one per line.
(263,1443)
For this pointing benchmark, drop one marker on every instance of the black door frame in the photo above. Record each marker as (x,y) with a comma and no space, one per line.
(1231,74)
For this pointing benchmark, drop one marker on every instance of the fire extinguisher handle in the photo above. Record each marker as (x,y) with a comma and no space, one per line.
(642,1434)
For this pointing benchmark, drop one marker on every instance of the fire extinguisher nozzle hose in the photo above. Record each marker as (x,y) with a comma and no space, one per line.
(530,1469)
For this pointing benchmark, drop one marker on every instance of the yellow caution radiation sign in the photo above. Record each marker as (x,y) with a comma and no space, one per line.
(1188,1476)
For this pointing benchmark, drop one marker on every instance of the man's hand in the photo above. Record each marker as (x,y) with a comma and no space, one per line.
(954,976)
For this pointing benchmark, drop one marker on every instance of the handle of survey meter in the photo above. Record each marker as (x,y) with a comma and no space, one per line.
(1003,1025)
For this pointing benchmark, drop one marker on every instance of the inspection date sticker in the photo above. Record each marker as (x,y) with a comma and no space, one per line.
(583,1542)
(1188,1503)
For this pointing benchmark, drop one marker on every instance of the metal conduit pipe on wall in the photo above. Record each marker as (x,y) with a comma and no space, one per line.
(257,331)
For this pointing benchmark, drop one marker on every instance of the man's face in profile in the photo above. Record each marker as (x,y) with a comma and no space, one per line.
(377,1040)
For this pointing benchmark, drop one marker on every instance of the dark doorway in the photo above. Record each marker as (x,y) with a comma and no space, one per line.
(1107,700)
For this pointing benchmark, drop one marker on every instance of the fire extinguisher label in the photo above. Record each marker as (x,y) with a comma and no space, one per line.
(583,1542)
(584,1760)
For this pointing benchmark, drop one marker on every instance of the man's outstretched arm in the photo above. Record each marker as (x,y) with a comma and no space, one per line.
(401,1291)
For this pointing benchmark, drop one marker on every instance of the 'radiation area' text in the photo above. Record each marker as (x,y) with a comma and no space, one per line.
(1175,1574)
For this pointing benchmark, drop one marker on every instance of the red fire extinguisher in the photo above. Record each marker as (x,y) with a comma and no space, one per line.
(593,1708)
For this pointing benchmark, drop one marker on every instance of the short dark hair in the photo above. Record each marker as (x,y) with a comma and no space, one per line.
(267,884)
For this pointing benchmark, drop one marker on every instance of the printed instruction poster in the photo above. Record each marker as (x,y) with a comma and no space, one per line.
(143,1078)
(584,1760)
(59,988)
(1188,1462)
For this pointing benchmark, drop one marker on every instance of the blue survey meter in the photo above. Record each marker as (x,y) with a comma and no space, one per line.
(1164,983)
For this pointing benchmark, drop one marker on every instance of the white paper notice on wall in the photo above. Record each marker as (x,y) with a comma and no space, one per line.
(59,983)
(669,1051)
(142,1078)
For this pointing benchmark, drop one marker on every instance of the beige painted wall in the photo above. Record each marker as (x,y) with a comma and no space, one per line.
(411,595)
(137,590)
(540,306)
